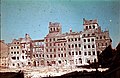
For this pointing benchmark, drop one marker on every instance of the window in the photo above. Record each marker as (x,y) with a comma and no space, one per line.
(17,58)
(17,52)
(53,39)
(68,39)
(69,46)
(89,27)
(50,44)
(22,57)
(85,53)
(76,53)
(11,52)
(36,55)
(54,44)
(75,39)
(84,40)
(72,53)
(58,49)
(83,35)
(79,45)
(13,58)
(61,55)
(93,26)
(54,55)
(93,46)
(13,64)
(84,46)
(61,49)
(72,39)
(17,42)
(17,47)
(88,46)
(14,47)
(88,34)
(79,52)
(92,39)
(86,27)
(11,47)
(69,53)
(54,50)
(43,55)
(100,37)
(50,50)
(64,49)
(50,40)
(89,53)
(78,39)
(47,56)
(14,52)
(104,37)
(88,40)
(93,34)
(65,54)
(93,52)
(75,45)
(50,56)
(72,46)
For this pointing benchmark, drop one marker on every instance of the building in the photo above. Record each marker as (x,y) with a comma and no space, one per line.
(75,48)
(20,52)
(4,50)
(60,49)
(38,53)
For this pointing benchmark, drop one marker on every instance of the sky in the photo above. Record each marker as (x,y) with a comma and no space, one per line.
(19,17)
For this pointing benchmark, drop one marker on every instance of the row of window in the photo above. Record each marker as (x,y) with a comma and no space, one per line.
(89,53)
(89,46)
(74,45)
(87,35)
(50,39)
(54,50)
(54,44)
(101,37)
(15,47)
(88,40)
(15,58)
(75,53)
(37,49)
(90,27)
(73,39)
(15,52)
(38,55)
(102,44)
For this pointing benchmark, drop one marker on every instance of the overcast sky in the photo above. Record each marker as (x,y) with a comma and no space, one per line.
(19,17)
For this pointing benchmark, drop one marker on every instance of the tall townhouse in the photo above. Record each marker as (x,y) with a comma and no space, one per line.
(38,53)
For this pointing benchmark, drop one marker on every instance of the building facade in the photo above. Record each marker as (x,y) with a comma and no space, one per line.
(4,50)
(61,49)
(75,48)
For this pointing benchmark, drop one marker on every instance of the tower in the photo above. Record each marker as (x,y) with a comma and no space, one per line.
(54,27)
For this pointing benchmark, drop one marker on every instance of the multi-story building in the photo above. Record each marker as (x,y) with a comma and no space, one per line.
(20,52)
(60,49)
(15,54)
(75,48)
(4,50)
(38,53)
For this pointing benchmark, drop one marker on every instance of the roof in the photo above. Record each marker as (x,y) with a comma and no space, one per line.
(87,22)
